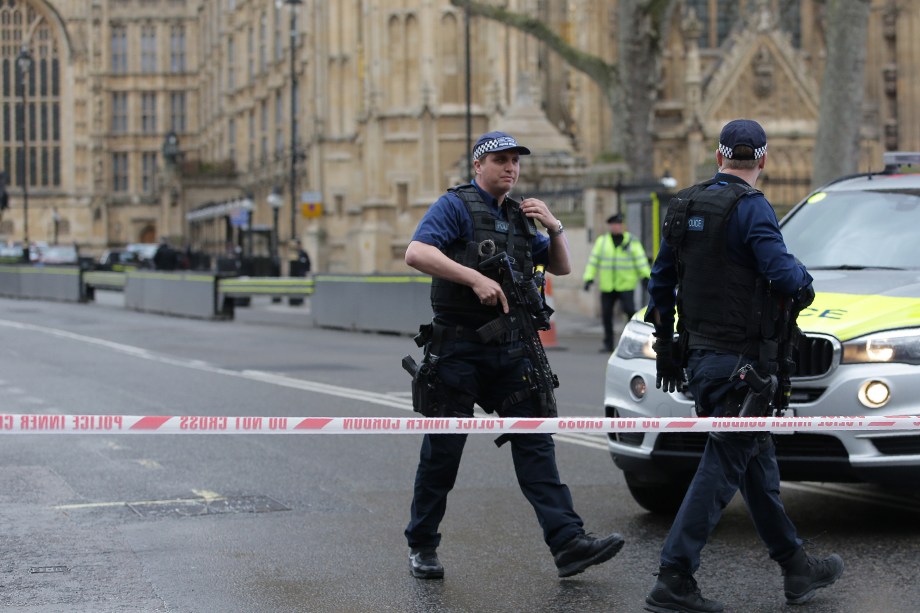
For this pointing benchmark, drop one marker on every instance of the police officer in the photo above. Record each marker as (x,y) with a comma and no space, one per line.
(619,261)
(720,237)
(164,258)
(303,260)
(493,374)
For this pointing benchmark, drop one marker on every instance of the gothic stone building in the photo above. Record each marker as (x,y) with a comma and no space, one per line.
(142,119)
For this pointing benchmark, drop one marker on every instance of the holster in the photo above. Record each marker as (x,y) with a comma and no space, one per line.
(761,390)
(425,397)
(424,393)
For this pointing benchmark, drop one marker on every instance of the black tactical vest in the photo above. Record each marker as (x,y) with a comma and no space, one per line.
(513,236)
(717,299)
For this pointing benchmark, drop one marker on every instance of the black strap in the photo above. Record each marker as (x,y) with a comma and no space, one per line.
(494,332)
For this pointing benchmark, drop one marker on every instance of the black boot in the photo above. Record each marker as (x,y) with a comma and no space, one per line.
(584,551)
(677,591)
(804,574)
(424,564)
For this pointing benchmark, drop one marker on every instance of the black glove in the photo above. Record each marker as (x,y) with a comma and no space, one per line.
(588,285)
(805,296)
(669,374)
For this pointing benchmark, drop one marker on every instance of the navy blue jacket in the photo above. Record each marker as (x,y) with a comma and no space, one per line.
(754,240)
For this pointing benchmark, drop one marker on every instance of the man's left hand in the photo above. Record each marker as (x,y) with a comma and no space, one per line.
(669,376)
(805,296)
(537,209)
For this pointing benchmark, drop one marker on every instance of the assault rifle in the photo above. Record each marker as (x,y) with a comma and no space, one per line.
(528,313)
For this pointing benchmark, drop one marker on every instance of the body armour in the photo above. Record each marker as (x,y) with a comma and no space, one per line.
(514,236)
(717,301)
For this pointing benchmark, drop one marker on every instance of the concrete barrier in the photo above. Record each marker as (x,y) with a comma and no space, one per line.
(61,283)
(173,293)
(372,303)
(395,304)
(105,279)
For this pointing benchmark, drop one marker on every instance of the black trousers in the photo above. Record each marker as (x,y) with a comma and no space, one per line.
(608,301)
(489,373)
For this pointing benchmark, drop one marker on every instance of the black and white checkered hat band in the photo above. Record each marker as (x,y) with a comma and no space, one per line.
(728,152)
(500,143)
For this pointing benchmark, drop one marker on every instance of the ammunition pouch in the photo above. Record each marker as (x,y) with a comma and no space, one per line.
(675,221)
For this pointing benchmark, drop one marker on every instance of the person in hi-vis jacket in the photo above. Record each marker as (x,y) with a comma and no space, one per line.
(619,263)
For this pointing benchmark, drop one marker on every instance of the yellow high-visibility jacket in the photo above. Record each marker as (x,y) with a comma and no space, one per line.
(618,268)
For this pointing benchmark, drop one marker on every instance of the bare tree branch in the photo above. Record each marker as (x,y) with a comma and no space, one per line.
(601,72)
(630,86)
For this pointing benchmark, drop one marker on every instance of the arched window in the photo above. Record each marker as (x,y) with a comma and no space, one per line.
(451,61)
(718,17)
(24,29)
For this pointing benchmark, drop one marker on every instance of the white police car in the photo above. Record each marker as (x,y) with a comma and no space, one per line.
(858,236)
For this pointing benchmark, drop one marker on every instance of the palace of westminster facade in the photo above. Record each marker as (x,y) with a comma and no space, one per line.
(149,119)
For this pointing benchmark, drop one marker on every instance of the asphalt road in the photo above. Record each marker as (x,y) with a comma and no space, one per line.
(266,523)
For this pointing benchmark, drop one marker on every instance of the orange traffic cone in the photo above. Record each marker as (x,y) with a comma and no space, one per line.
(548,337)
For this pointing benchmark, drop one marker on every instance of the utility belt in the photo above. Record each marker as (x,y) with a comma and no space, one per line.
(746,348)
(428,392)
(491,333)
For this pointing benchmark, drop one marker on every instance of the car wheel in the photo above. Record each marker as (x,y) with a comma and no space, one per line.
(659,497)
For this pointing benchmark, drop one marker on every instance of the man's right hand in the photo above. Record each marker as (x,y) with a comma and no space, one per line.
(588,285)
(669,374)
(490,292)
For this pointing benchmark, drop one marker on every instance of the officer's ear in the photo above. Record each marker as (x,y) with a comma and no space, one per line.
(763,161)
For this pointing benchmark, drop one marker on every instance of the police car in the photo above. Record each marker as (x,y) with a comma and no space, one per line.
(860,355)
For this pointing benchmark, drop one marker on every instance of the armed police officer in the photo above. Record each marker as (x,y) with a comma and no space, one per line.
(465,227)
(723,252)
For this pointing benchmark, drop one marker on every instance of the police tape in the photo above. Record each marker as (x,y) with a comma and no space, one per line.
(202,424)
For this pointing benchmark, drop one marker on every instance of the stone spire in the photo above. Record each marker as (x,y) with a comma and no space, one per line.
(529,125)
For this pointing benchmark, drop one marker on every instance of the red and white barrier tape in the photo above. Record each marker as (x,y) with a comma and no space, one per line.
(129,424)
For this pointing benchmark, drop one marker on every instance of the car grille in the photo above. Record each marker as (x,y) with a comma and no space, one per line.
(897,445)
(633,439)
(802,395)
(787,446)
(626,438)
(813,357)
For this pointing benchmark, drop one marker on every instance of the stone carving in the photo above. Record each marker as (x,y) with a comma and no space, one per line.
(763,73)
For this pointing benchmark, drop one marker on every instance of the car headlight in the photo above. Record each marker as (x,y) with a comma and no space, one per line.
(636,341)
(901,346)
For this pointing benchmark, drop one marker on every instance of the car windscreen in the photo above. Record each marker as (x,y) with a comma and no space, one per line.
(856,229)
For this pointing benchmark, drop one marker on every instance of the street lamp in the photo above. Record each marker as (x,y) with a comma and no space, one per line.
(276,202)
(668,181)
(24,63)
(294,155)
(247,205)
(468,65)
(648,185)
(653,187)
